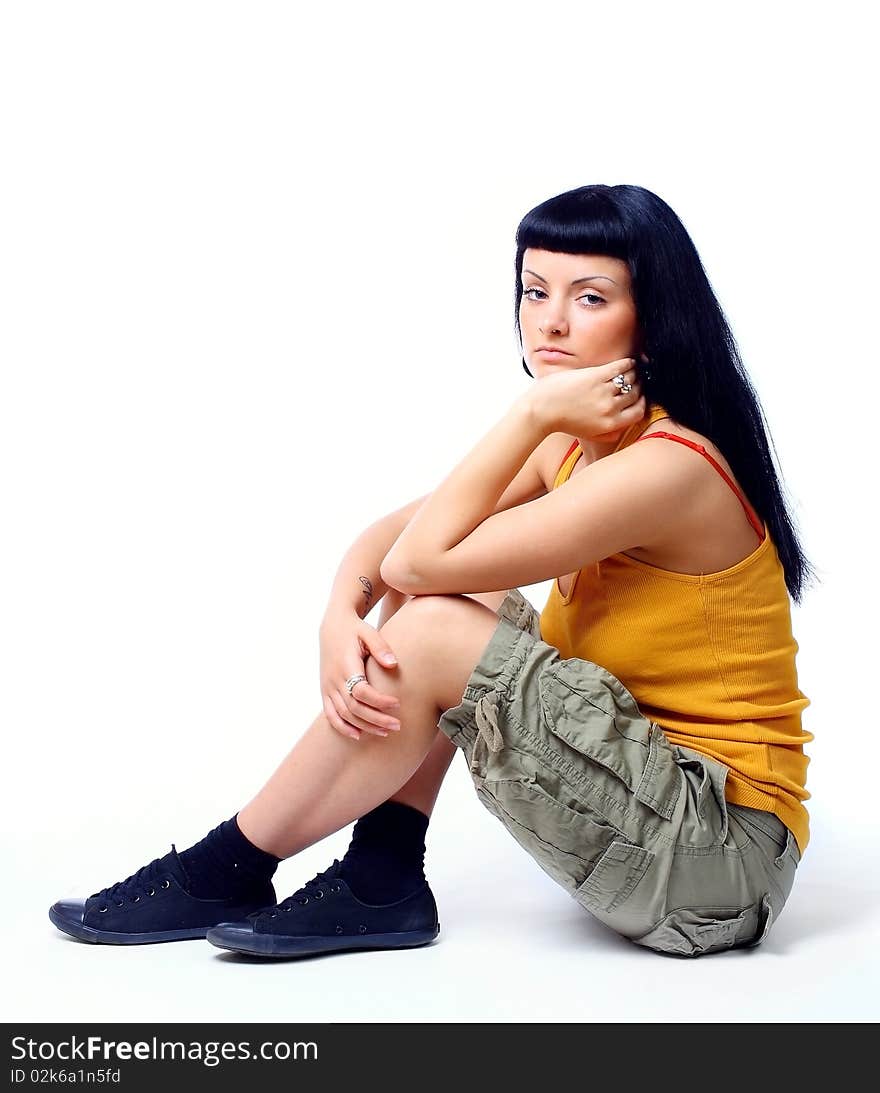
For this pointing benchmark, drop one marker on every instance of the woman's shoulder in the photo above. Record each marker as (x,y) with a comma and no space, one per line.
(710,531)
(558,446)
(669,425)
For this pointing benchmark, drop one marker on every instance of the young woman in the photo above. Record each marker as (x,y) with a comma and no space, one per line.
(641,737)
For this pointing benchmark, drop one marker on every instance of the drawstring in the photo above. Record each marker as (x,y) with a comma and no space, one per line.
(487,721)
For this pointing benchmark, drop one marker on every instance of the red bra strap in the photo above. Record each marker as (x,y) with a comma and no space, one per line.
(753,520)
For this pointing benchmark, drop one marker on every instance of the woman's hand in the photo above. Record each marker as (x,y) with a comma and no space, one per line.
(346,641)
(584,402)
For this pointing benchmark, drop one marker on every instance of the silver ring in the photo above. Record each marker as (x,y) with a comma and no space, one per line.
(353,681)
(619,379)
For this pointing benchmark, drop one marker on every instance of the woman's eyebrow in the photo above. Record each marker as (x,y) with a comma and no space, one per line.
(594,277)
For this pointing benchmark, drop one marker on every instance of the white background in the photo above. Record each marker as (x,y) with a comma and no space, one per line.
(257,291)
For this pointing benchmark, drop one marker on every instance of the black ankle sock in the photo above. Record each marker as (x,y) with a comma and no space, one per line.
(385,860)
(226,863)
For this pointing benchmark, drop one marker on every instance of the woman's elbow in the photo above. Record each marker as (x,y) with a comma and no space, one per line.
(399,575)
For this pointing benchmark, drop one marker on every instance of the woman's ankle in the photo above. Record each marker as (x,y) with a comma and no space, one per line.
(385,859)
(225,861)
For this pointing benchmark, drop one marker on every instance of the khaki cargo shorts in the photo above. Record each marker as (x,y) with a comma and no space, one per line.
(636,829)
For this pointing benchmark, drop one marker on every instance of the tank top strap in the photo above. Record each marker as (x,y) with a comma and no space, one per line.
(753,519)
(655,412)
(574,444)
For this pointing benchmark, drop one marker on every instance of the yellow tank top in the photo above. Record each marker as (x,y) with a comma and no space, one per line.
(709,657)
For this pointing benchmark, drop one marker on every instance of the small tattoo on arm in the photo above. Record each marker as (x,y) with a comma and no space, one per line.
(368,593)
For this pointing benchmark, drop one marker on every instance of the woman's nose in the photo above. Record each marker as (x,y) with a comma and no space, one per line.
(552,325)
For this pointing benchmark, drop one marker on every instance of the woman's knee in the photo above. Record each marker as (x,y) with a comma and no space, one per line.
(430,614)
(439,638)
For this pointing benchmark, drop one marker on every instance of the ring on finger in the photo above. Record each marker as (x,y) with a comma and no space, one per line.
(353,681)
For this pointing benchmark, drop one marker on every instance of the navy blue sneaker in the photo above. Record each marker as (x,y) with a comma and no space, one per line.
(152,905)
(326,916)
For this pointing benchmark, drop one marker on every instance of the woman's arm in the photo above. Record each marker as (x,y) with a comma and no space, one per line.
(455,544)
(466,497)
(359,585)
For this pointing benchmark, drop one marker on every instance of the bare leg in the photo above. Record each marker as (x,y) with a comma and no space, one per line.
(327,781)
(422,789)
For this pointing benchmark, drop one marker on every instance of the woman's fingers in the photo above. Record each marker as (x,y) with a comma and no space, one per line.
(367,695)
(375,645)
(354,714)
(350,720)
(362,711)
(337,722)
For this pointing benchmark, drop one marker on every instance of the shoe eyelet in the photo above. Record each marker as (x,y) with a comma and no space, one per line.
(136,899)
(102,909)
(336,888)
(119,902)
(165,883)
(303,901)
(362,929)
(319,895)
(339,929)
(151,892)
(273,915)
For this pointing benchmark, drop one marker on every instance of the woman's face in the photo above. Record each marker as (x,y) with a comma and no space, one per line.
(593,319)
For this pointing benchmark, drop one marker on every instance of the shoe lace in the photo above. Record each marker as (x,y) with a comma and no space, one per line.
(144,880)
(312,889)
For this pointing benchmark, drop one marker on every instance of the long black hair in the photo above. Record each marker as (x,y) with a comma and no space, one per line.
(695,370)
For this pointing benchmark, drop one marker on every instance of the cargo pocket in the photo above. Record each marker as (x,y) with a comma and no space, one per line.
(706,820)
(614,878)
(545,816)
(566,844)
(599,722)
(695,931)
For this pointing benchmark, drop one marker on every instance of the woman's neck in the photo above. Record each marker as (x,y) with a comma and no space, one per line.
(610,442)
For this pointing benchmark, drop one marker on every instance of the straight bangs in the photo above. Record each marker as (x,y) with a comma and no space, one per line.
(575,223)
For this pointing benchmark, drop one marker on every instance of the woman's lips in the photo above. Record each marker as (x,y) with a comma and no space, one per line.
(554,354)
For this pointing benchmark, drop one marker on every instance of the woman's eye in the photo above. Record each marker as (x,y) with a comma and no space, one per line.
(586,296)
